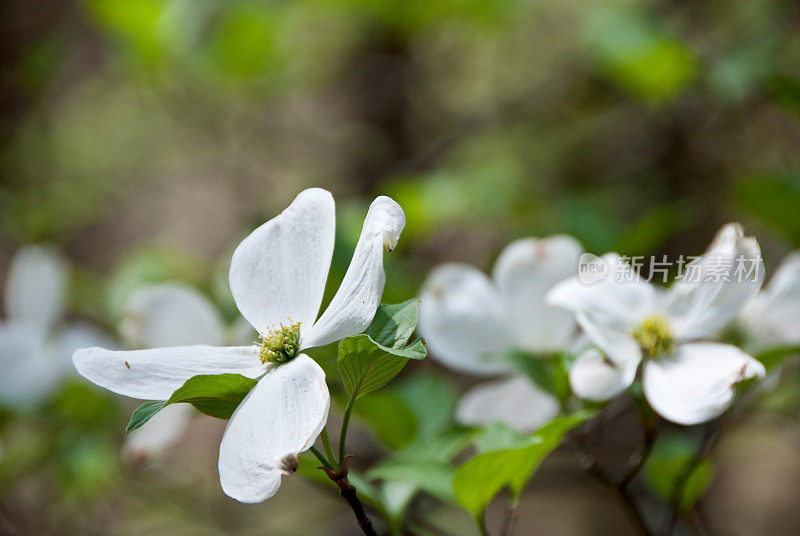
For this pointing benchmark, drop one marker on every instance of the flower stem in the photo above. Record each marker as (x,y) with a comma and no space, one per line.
(509,517)
(345,422)
(326,443)
(322,459)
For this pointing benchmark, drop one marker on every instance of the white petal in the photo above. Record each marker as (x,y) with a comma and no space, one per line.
(696,384)
(35,286)
(609,309)
(716,286)
(524,272)
(772,318)
(462,319)
(278,273)
(352,308)
(28,371)
(514,401)
(280,418)
(170,314)
(158,434)
(593,377)
(155,374)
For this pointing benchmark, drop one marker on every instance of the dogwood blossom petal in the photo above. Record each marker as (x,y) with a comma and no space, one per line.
(27,371)
(609,310)
(278,273)
(696,383)
(716,286)
(772,318)
(155,374)
(35,287)
(162,431)
(524,272)
(593,377)
(462,319)
(513,401)
(352,308)
(170,314)
(280,418)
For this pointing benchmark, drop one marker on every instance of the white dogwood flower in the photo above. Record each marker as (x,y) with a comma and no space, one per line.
(168,314)
(469,322)
(277,278)
(35,347)
(772,318)
(685,379)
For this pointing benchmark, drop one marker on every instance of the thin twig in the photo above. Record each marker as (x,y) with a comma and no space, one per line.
(509,518)
(326,444)
(348,493)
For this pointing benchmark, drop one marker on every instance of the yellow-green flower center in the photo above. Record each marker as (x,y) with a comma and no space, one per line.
(280,345)
(655,337)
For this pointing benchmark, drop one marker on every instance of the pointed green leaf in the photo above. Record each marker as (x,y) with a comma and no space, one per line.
(480,479)
(366,366)
(433,477)
(674,473)
(217,395)
(143,413)
(393,324)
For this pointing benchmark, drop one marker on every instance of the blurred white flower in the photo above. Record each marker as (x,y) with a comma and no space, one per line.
(277,278)
(686,380)
(470,321)
(34,349)
(169,314)
(772,318)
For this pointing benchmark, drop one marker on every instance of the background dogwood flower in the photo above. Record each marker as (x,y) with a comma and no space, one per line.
(34,349)
(469,321)
(277,278)
(169,314)
(772,318)
(686,380)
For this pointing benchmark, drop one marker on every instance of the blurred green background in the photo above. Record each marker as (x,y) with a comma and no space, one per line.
(145,138)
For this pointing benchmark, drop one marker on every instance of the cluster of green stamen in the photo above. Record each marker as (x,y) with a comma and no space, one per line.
(280,345)
(655,337)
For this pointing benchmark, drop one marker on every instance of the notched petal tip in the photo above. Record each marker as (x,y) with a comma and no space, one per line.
(288,464)
(387,216)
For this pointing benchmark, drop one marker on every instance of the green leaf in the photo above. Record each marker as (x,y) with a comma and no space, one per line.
(674,475)
(433,477)
(393,324)
(366,366)
(775,356)
(696,485)
(144,413)
(432,398)
(480,479)
(499,436)
(217,395)
(441,447)
(369,360)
